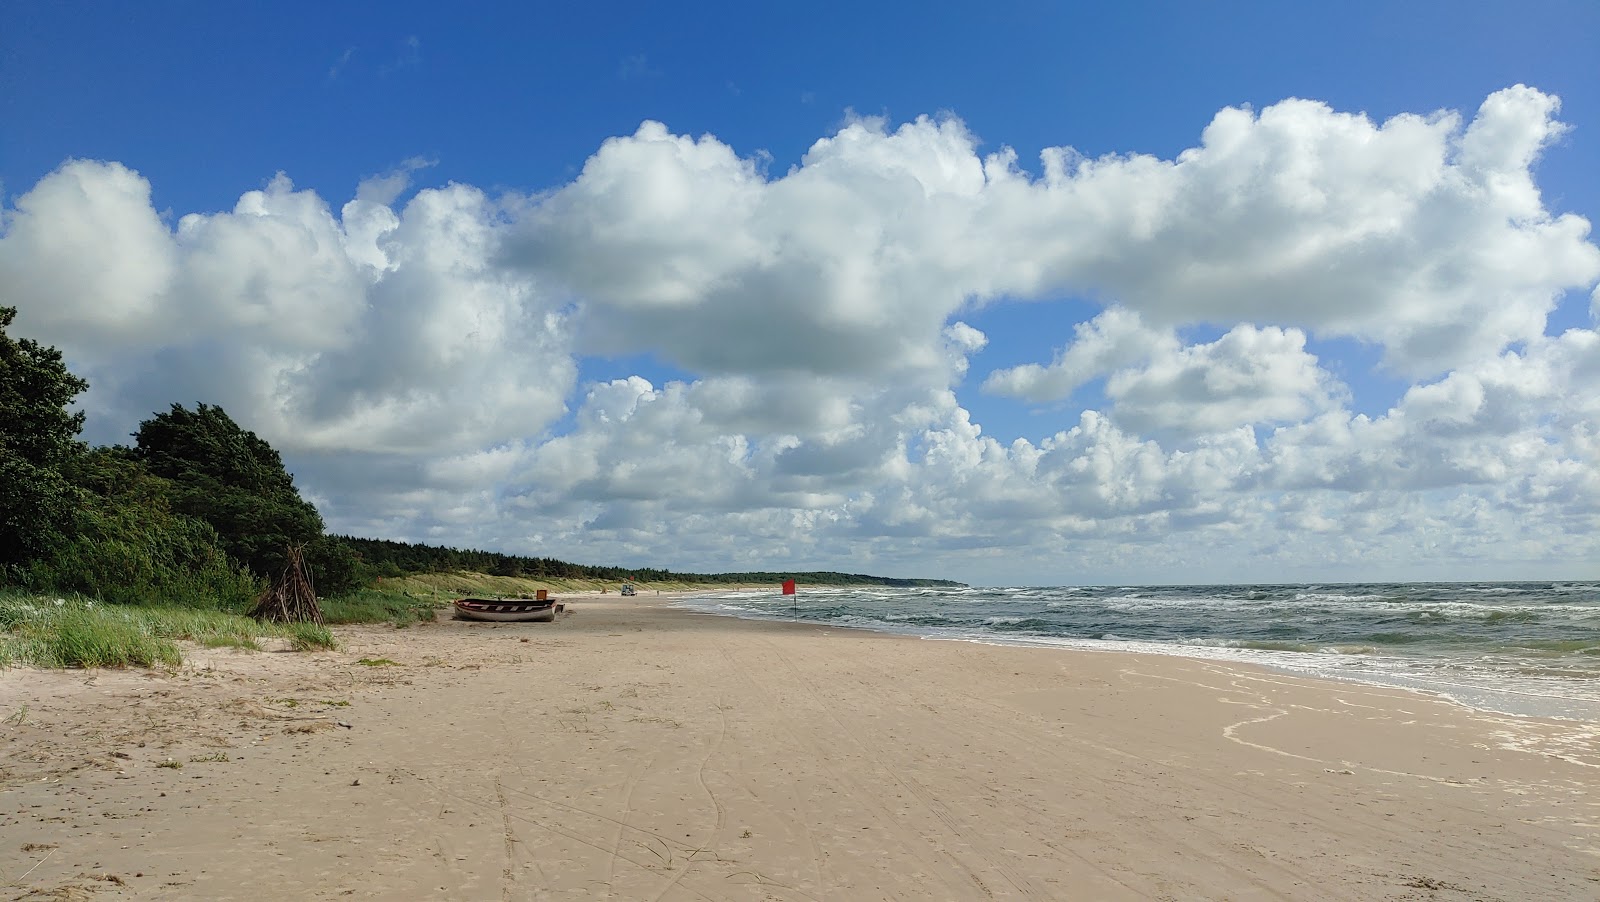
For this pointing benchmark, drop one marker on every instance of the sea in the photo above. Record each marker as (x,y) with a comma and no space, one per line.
(1522,648)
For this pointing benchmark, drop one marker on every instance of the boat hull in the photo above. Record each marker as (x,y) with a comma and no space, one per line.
(506,610)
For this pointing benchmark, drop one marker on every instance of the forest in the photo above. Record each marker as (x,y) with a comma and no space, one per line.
(383,557)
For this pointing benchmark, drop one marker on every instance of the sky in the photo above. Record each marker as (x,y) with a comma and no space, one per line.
(1011,294)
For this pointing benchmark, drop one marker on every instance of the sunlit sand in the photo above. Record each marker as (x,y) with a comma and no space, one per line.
(632,751)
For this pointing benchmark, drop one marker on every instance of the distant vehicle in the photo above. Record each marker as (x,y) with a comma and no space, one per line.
(627,589)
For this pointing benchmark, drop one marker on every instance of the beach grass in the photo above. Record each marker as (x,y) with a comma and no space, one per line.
(380,605)
(73,631)
(80,636)
(310,637)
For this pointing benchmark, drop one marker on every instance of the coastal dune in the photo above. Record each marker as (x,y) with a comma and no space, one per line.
(634,751)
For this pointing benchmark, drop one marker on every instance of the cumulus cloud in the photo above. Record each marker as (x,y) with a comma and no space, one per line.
(1495,424)
(1413,233)
(382,329)
(422,359)
(1115,339)
(90,257)
(1159,386)
(1249,375)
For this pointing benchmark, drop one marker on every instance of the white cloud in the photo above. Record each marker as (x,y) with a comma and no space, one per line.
(419,361)
(1247,376)
(384,331)
(1113,340)
(1410,233)
(1159,386)
(89,257)
(1509,424)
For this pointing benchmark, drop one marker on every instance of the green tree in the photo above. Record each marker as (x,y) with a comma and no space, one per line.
(127,546)
(230,478)
(335,567)
(38,438)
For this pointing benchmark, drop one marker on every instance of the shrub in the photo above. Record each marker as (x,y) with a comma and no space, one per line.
(133,551)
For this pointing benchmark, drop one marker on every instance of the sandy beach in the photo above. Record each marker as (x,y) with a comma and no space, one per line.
(632,751)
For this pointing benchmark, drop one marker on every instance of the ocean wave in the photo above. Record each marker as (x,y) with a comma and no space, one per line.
(1017,624)
(1256,644)
(1418,635)
(920,619)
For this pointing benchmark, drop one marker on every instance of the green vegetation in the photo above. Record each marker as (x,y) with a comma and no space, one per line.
(227,477)
(128,546)
(310,636)
(381,558)
(85,638)
(80,632)
(37,440)
(111,555)
(378,605)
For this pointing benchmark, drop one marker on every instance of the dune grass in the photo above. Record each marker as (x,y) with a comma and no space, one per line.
(84,637)
(310,637)
(381,605)
(73,631)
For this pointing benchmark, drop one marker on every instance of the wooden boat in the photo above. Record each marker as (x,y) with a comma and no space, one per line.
(507,609)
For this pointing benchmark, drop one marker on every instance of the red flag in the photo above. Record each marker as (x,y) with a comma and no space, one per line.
(788,587)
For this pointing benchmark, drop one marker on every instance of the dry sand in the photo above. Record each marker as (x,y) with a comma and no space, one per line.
(631,751)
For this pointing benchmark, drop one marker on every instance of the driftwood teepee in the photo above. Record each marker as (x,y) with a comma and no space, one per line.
(290,598)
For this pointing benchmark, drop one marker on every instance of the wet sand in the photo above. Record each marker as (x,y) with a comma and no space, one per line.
(632,751)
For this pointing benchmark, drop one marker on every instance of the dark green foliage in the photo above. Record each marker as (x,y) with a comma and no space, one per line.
(126,545)
(231,479)
(506,565)
(205,445)
(381,557)
(37,437)
(35,507)
(333,565)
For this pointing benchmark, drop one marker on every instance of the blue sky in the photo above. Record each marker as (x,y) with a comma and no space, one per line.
(1337,363)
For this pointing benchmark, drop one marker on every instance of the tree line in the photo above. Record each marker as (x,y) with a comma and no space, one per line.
(383,557)
(200,511)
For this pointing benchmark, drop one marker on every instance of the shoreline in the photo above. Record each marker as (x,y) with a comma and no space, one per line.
(1373,667)
(630,751)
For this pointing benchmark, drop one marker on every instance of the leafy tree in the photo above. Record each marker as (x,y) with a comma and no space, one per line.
(233,480)
(334,567)
(38,437)
(127,546)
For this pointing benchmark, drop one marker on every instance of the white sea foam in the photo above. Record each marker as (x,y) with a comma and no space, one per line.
(1524,651)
